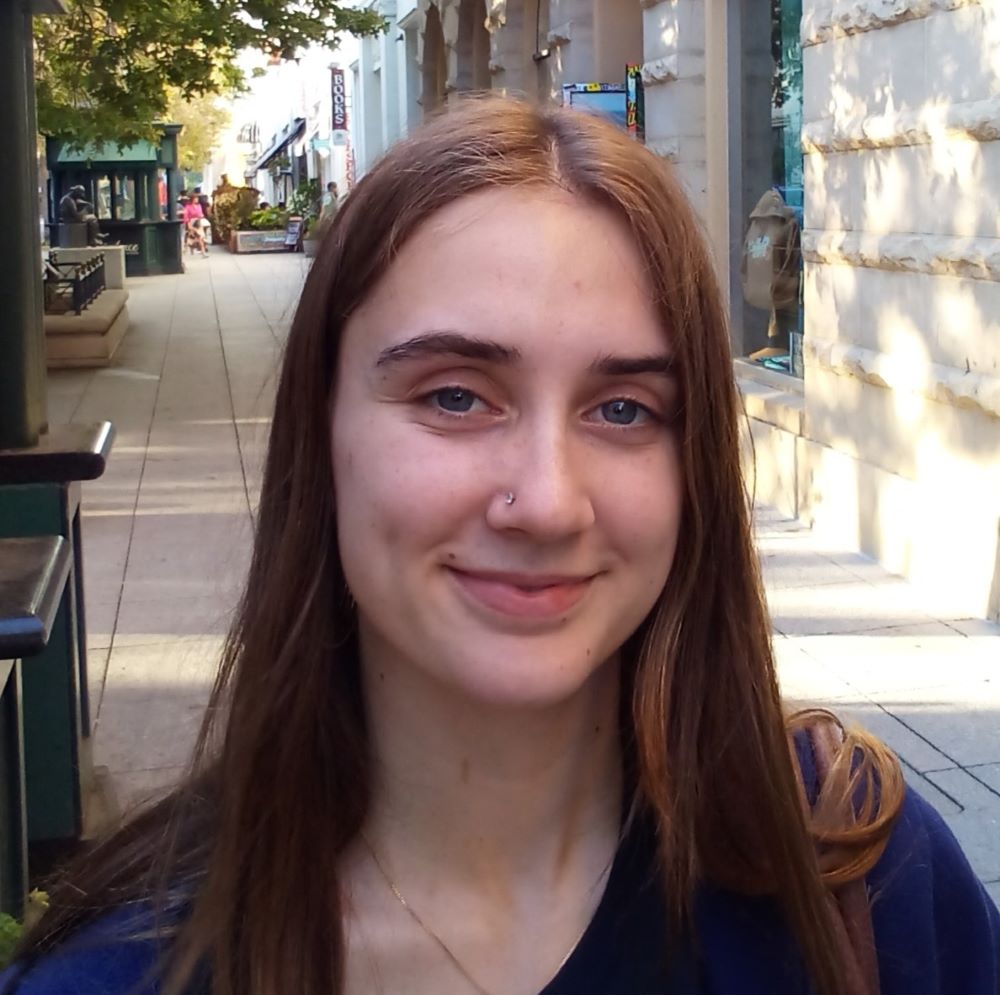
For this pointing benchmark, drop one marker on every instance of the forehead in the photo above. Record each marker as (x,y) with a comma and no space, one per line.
(529,266)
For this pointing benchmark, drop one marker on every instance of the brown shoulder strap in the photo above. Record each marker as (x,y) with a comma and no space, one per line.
(854,934)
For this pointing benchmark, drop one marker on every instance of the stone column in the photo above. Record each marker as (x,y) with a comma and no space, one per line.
(673,75)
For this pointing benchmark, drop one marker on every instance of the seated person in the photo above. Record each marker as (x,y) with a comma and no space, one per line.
(73,209)
(194,221)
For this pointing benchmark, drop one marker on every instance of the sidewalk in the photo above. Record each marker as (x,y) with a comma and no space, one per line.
(167,539)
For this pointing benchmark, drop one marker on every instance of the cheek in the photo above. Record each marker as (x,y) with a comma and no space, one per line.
(395,483)
(641,508)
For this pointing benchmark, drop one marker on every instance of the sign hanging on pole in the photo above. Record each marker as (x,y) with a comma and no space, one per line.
(339,99)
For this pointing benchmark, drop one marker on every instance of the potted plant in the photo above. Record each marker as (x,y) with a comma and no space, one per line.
(231,210)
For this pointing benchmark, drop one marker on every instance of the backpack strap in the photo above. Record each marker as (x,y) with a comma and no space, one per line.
(851,917)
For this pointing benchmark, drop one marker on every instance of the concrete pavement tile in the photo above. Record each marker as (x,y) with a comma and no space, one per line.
(905,657)
(121,396)
(851,607)
(224,587)
(993,890)
(66,389)
(911,748)
(861,566)
(181,666)
(805,681)
(208,487)
(97,668)
(962,720)
(105,553)
(931,793)
(970,793)
(799,539)
(977,627)
(115,492)
(192,437)
(136,732)
(163,619)
(100,618)
(202,550)
(977,833)
(801,568)
(990,773)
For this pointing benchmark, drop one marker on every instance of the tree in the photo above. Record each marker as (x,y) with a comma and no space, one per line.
(204,121)
(105,69)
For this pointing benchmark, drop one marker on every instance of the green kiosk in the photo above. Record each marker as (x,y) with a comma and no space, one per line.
(133,190)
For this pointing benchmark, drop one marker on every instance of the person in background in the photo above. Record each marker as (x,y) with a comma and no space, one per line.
(206,208)
(194,221)
(331,200)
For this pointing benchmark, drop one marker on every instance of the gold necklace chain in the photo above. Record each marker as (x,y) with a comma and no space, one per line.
(445,949)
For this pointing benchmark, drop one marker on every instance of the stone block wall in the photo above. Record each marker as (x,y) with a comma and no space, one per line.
(673,75)
(900,452)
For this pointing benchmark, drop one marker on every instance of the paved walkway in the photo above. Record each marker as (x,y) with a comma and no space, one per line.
(167,537)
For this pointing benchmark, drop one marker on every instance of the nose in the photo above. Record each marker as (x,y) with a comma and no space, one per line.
(546,473)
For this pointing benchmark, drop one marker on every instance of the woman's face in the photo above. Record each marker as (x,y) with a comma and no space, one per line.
(512,349)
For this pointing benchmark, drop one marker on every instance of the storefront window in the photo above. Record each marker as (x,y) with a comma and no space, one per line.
(125,199)
(771,264)
(102,188)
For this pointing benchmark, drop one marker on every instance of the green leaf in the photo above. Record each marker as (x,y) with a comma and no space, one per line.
(10,933)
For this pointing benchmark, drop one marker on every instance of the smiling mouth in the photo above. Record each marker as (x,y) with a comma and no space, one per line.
(523,595)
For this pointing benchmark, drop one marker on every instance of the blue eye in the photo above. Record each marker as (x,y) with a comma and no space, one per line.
(623,412)
(454,399)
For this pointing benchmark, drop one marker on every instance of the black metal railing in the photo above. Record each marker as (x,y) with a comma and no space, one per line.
(72,286)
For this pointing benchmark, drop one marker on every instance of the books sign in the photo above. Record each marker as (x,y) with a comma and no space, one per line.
(339,100)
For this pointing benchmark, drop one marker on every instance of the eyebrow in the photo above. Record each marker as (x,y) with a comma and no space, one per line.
(450,343)
(445,343)
(622,366)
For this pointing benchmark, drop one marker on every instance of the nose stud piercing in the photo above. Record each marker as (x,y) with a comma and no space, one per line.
(509,498)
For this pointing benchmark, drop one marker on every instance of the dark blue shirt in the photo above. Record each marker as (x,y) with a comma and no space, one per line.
(936,930)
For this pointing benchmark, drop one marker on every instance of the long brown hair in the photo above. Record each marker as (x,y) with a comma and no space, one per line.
(249,845)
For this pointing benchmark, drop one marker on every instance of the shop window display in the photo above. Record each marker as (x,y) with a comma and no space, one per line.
(771,265)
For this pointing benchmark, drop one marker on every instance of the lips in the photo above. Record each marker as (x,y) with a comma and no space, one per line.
(530,596)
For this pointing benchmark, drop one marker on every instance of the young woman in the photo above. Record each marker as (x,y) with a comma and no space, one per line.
(499,711)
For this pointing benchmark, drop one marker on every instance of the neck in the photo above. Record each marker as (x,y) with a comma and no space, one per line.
(492,793)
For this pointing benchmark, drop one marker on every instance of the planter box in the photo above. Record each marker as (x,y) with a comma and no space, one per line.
(258,241)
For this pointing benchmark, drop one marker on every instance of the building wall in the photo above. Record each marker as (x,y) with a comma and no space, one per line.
(891,443)
(441,49)
(902,400)
(673,76)
(289,89)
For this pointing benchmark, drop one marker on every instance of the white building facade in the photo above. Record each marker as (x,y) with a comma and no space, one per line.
(283,129)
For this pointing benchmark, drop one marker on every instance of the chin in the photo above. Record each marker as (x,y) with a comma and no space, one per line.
(524,681)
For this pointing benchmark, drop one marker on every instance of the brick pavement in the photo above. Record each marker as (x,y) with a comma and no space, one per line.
(167,536)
